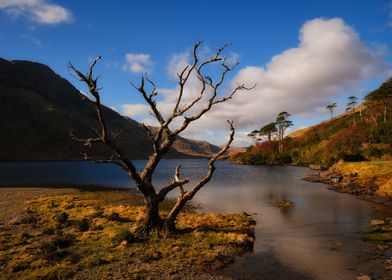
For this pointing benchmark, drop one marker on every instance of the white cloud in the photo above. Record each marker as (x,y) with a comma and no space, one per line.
(330,60)
(133,110)
(177,63)
(137,63)
(41,11)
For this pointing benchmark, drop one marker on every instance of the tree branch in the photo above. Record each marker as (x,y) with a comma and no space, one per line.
(174,184)
(184,197)
(113,159)
(150,98)
(183,79)
(103,137)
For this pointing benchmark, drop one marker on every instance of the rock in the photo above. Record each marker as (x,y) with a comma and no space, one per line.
(284,204)
(320,167)
(377,222)
(336,179)
(364,277)
(312,178)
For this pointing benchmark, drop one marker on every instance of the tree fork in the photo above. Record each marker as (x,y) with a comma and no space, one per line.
(164,137)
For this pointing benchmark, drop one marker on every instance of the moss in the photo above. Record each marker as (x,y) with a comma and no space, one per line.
(379,236)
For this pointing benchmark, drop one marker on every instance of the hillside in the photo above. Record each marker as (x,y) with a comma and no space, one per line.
(194,148)
(39,109)
(361,134)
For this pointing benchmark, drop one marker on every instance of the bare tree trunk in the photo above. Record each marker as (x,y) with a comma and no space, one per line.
(385,114)
(163,138)
(373,115)
(170,221)
(152,219)
(281,143)
(354,117)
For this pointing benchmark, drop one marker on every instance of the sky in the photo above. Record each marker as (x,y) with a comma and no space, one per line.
(300,55)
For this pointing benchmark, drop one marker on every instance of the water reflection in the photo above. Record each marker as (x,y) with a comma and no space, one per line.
(320,236)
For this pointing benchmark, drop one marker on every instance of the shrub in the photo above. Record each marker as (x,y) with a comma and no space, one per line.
(28,218)
(62,218)
(48,230)
(372,152)
(16,266)
(58,272)
(64,241)
(53,249)
(353,157)
(48,250)
(115,217)
(83,224)
(98,213)
(124,235)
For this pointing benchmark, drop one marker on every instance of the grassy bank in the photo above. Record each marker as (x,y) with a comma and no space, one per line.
(378,173)
(90,235)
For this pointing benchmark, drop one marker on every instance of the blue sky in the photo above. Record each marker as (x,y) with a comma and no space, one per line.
(158,34)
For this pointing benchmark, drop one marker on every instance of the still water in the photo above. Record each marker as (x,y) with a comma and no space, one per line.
(320,237)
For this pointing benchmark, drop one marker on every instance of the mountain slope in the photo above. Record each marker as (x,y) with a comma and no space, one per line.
(39,108)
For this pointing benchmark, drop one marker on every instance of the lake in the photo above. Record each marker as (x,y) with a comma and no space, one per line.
(320,237)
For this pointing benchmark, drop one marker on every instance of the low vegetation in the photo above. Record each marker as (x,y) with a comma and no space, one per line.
(380,230)
(91,235)
(365,173)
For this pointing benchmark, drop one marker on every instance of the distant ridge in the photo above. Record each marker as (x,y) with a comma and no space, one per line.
(39,108)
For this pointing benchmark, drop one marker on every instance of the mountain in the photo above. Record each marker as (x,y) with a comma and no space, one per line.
(195,148)
(39,109)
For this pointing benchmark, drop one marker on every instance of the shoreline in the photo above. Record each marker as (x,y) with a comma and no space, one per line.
(347,184)
(68,187)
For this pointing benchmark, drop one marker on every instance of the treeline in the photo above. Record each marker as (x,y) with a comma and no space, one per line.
(363,133)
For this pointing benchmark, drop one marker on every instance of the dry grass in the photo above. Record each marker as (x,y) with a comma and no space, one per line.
(88,235)
(379,172)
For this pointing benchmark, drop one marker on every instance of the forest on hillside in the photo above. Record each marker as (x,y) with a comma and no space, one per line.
(363,132)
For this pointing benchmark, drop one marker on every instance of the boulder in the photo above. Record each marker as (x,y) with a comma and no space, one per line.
(320,167)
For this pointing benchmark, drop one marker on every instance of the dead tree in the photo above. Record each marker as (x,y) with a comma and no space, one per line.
(162,138)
